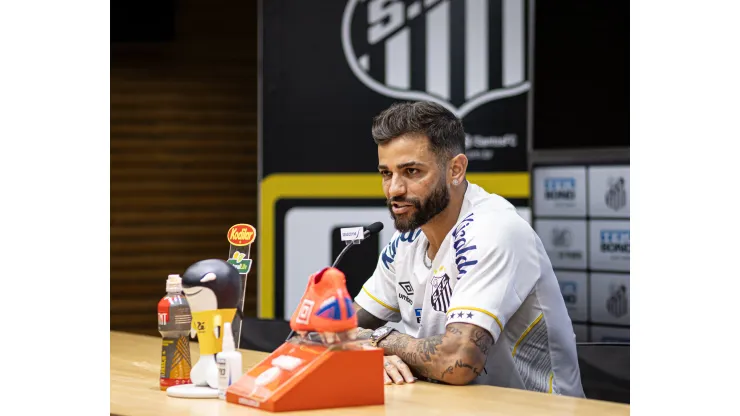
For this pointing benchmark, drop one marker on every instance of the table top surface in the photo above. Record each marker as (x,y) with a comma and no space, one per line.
(134,390)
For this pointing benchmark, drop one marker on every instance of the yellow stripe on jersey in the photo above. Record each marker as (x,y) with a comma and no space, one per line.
(471,308)
(524,335)
(380,301)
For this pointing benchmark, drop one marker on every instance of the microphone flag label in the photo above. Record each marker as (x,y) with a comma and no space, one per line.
(352,234)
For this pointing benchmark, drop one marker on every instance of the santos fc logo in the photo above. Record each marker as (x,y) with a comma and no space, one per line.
(460,54)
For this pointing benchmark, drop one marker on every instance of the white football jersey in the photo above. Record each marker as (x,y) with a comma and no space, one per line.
(492,271)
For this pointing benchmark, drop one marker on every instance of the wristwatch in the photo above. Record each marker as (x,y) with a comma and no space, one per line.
(379,334)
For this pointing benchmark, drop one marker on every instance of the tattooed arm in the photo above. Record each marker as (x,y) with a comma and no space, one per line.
(456,357)
(366,320)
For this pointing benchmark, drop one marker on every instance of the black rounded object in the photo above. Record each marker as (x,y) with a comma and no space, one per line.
(228,283)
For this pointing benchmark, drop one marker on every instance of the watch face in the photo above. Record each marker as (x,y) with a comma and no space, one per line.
(380,332)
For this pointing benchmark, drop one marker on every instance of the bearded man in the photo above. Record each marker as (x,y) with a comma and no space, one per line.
(467,276)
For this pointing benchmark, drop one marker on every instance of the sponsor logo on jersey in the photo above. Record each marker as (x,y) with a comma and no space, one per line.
(389,254)
(463,250)
(560,189)
(615,241)
(616,195)
(441,290)
(417,312)
(617,303)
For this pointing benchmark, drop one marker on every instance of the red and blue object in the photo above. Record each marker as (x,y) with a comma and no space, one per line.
(326,306)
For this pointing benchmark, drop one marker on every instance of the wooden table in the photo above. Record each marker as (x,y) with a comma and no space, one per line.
(134,390)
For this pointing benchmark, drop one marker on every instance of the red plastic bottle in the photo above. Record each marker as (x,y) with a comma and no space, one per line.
(174,324)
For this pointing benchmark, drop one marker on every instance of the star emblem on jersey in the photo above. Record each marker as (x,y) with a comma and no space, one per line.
(460,315)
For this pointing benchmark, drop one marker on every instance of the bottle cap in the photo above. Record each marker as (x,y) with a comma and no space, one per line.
(174,283)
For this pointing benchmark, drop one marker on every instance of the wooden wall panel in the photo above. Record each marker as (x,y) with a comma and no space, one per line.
(183,153)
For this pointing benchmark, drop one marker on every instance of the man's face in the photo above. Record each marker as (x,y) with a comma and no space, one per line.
(413,182)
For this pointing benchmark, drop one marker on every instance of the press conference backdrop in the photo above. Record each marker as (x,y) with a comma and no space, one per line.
(581,213)
(329,67)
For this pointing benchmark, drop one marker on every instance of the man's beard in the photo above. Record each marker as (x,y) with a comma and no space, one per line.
(423,212)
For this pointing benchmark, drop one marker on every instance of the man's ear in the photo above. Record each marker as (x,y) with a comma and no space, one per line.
(458,166)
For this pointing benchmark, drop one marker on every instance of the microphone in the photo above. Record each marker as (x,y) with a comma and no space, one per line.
(371,229)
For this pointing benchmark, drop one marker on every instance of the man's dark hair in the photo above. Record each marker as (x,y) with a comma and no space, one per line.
(444,130)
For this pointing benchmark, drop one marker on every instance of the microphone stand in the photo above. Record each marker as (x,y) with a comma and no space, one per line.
(346,248)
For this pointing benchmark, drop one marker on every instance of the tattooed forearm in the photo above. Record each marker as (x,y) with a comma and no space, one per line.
(363,334)
(482,339)
(456,357)
(454,330)
(427,347)
(461,364)
(367,320)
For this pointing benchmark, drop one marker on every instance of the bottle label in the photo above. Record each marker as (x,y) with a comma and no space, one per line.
(175,367)
(223,377)
(174,319)
(173,314)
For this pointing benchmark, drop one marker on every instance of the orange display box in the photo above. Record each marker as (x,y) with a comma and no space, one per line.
(300,376)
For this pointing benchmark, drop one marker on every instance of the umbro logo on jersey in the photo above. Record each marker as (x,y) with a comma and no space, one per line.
(407,287)
(616,195)
(617,304)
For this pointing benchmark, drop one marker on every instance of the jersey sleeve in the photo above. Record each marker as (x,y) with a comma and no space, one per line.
(498,266)
(378,294)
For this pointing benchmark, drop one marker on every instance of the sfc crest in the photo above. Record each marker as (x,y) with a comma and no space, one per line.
(460,54)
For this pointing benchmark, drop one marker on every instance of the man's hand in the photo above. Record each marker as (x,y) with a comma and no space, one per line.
(396,371)
(456,357)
